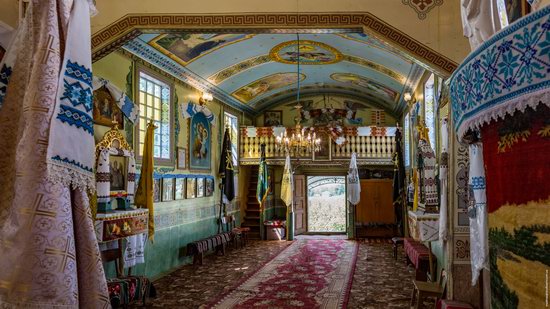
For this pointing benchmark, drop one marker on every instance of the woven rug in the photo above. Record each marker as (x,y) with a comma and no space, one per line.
(311,273)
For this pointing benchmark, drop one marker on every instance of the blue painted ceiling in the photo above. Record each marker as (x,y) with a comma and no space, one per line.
(257,71)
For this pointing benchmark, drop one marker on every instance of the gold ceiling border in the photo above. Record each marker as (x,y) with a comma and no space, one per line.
(177,59)
(116,34)
(220,76)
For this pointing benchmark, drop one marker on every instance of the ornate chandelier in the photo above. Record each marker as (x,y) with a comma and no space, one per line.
(302,140)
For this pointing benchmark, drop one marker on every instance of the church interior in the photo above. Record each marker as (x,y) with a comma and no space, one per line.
(289,154)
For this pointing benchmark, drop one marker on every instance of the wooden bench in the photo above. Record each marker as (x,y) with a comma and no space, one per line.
(419,256)
(199,247)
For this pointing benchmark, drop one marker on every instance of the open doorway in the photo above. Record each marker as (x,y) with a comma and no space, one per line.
(326,204)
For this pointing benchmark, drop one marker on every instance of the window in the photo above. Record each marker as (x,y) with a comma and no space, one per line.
(233,123)
(155,102)
(430,109)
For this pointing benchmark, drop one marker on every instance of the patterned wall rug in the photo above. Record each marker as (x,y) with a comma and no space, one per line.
(311,273)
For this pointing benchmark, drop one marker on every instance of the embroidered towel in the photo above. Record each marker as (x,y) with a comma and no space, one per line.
(72,122)
(189,109)
(134,251)
(128,108)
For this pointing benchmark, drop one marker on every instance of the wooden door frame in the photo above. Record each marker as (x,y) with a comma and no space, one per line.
(327,174)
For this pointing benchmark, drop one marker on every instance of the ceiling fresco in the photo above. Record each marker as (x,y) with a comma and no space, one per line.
(252,71)
(309,53)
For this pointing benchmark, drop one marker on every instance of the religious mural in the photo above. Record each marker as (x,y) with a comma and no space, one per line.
(265,84)
(310,52)
(186,47)
(200,140)
(363,82)
(105,110)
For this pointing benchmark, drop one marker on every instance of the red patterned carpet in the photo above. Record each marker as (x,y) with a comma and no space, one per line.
(311,273)
(379,281)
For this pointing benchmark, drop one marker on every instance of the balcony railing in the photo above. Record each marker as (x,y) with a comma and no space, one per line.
(373,145)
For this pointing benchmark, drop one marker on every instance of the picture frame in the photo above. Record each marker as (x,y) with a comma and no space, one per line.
(179,189)
(200,141)
(515,9)
(209,187)
(190,188)
(200,187)
(182,158)
(167,189)
(156,190)
(273,118)
(118,170)
(105,111)
(325,153)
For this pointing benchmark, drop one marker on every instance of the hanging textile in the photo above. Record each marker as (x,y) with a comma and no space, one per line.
(287,184)
(128,108)
(443,182)
(263,179)
(354,187)
(226,171)
(189,109)
(398,182)
(144,192)
(44,224)
(477,211)
(134,250)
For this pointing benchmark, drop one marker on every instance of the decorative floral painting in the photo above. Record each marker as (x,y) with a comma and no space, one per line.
(370,85)
(265,84)
(191,188)
(167,189)
(105,110)
(180,189)
(200,140)
(310,52)
(200,187)
(186,47)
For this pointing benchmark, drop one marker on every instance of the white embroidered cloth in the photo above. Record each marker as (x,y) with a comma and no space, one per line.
(71,139)
(189,109)
(134,251)
(354,187)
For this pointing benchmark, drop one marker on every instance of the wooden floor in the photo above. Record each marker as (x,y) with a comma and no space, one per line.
(379,280)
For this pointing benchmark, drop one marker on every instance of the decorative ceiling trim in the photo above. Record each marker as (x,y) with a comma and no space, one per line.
(422,7)
(219,77)
(116,34)
(377,67)
(148,53)
(384,47)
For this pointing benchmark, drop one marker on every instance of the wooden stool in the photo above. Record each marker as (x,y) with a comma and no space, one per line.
(396,241)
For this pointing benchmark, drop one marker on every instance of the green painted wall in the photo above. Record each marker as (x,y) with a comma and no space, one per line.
(176,222)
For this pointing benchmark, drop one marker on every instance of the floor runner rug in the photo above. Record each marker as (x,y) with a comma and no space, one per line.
(310,273)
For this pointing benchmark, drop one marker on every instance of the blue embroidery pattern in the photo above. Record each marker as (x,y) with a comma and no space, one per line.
(79,72)
(76,118)
(78,95)
(478,183)
(5,74)
(72,162)
(512,63)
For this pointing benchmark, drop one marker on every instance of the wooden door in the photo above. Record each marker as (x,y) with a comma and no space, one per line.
(300,223)
(376,205)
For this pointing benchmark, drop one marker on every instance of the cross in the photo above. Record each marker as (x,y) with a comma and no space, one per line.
(49,49)
(34,211)
(65,254)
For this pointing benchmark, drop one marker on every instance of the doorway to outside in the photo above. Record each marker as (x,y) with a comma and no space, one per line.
(326,204)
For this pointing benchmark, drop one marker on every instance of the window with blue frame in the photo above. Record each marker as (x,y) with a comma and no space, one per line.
(155,104)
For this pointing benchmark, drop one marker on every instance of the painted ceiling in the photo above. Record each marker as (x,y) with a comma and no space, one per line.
(255,72)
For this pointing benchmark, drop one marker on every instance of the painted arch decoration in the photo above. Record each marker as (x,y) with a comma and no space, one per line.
(371,86)
(265,84)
